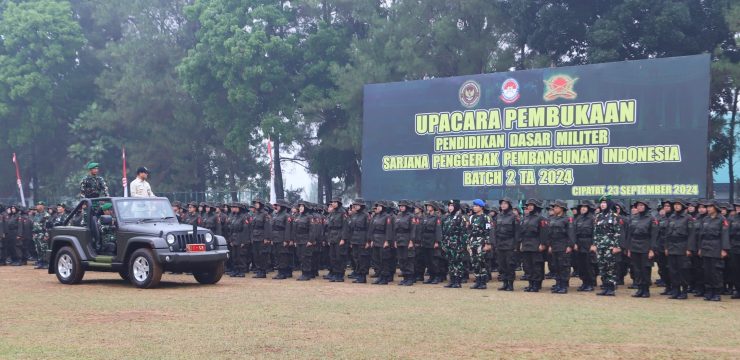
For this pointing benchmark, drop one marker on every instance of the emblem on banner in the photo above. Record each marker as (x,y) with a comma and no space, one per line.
(469,94)
(559,86)
(509,91)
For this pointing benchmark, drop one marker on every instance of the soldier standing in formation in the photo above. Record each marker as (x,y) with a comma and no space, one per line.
(404,229)
(261,231)
(380,236)
(281,227)
(430,225)
(641,240)
(584,232)
(607,244)
(712,246)
(532,247)
(506,239)
(479,242)
(238,233)
(357,226)
(336,224)
(679,234)
(560,245)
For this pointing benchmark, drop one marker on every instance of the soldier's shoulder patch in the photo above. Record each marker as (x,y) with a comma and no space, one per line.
(388,220)
(570,220)
(439,221)
(655,221)
(725,223)
(290,219)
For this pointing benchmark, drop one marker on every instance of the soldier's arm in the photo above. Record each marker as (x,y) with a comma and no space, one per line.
(390,234)
(571,233)
(725,235)
(517,233)
(544,231)
(654,232)
(268,227)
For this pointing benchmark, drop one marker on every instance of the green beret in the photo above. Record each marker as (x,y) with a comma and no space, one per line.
(92,165)
(106,206)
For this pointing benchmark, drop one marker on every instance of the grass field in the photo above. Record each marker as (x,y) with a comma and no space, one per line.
(105,317)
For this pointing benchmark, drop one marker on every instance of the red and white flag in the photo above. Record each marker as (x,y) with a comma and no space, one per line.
(124,181)
(18,180)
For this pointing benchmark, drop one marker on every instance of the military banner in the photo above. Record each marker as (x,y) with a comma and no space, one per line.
(629,129)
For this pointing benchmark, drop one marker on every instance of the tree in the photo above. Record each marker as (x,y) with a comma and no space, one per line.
(39,90)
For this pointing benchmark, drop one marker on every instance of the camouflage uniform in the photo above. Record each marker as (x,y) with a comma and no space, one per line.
(454,243)
(41,224)
(107,237)
(93,187)
(480,236)
(608,231)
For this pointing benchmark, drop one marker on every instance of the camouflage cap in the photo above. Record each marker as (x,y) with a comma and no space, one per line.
(508,200)
(534,202)
(587,203)
(359,201)
(405,203)
(337,199)
(560,203)
(644,202)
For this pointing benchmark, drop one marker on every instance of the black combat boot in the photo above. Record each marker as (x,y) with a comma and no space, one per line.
(457,282)
(259,275)
(338,278)
(304,277)
(536,287)
(668,290)
(504,285)
(735,294)
(384,280)
(638,293)
(483,283)
(716,295)
(280,275)
(610,290)
(451,283)
(529,287)
(477,283)
(360,279)
(509,285)
(436,279)
(646,291)
(429,280)
(555,287)
(562,288)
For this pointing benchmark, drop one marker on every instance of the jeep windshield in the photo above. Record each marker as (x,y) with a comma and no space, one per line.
(144,210)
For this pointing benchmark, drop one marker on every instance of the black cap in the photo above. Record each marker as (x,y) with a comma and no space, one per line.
(142,169)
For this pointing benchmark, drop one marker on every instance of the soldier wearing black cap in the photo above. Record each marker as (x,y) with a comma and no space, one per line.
(357,225)
(532,247)
(679,233)
(261,228)
(336,226)
(734,258)
(560,244)
(430,238)
(661,259)
(641,239)
(696,284)
(380,234)
(584,229)
(192,217)
(238,237)
(506,238)
(280,237)
(712,245)
(404,228)
(303,233)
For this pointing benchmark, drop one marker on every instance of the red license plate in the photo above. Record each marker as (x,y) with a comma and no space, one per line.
(196,247)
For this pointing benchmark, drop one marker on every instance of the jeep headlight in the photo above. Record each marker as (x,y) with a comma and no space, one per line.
(170,239)
(209,237)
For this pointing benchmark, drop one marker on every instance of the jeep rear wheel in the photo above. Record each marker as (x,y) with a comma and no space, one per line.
(211,276)
(68,267)
(143,269)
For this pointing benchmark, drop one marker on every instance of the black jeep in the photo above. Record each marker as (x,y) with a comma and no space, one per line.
(139,238)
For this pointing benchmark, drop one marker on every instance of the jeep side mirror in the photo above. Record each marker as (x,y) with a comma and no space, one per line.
(106,220)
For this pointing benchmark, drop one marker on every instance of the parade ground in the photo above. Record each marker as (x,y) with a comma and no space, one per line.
(107,318)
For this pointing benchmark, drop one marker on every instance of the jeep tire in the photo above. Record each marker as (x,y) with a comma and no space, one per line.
(143,269)
(68,267)
(212,276)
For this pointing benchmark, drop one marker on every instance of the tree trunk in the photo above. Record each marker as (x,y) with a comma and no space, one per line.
(731,160)
(320,190)
(710,179)
(327,189)
(279,193)
(357,174)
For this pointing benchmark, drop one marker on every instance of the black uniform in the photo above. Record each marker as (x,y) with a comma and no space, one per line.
(533,234)
(336,226)
(430,232)
(679,234)
(735,254)
(584,230)
(261,227)
(239,239)
(559,240)
(506,239)
(404,226)
(380,232)
(712,239)
(641,238)
(280,238)
(302,232)
(357,225)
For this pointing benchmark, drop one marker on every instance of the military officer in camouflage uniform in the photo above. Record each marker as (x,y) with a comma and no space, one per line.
(454,242)
(41,226)
(479,242)
(107,231)
(641,239)
(506,239)
(608,232)
(93,186)
(679,233)
(560,244)
(712,246)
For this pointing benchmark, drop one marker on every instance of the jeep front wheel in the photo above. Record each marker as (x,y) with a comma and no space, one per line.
(143,269)
(68,267)
(211,276)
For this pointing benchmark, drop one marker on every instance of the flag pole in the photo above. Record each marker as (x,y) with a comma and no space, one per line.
(124,181)
(273,195)
(18,180)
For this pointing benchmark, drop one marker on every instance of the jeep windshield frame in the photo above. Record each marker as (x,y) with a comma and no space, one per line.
(142,209)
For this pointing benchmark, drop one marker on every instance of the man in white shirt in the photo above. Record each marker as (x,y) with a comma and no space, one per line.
(140,186)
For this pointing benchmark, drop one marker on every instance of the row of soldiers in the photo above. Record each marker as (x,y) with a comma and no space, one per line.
(24,233)
(696,244)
